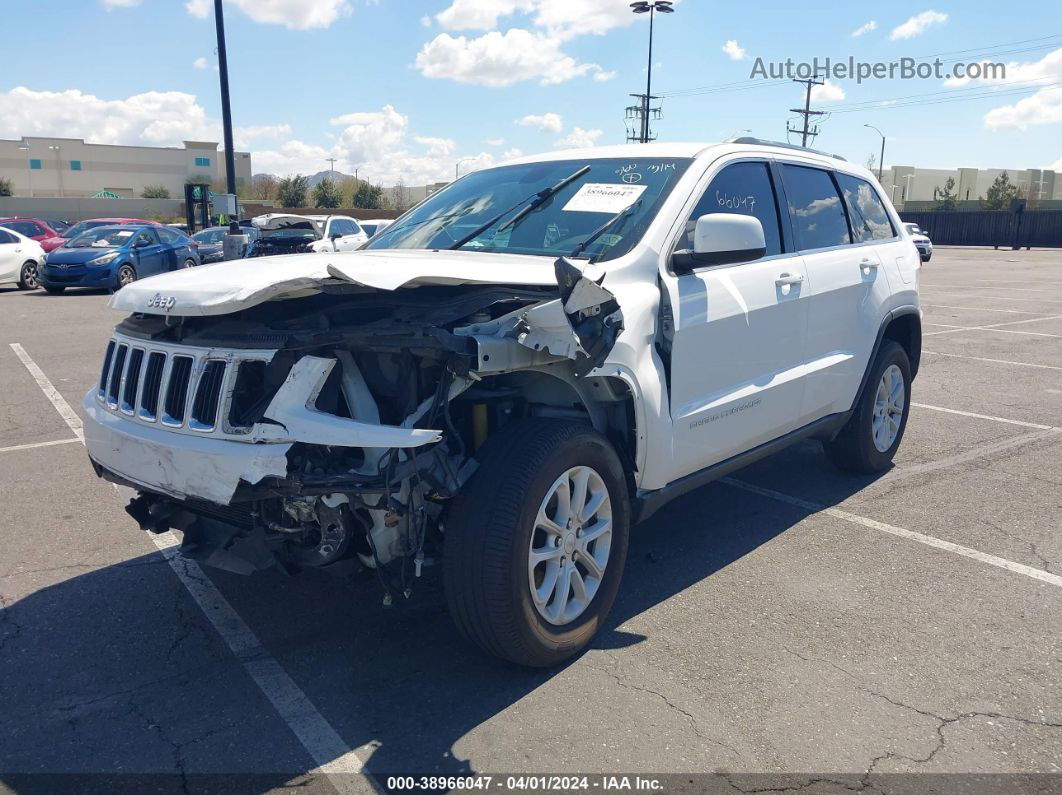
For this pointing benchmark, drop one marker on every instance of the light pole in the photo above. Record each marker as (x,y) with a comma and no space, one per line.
(457,165)
(226,112)
(643,7)
(881,162)
(29,171)
(58,166)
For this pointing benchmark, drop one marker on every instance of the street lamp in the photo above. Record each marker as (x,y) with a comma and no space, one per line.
(643,7)
(881,162)
(457,165)
(58,166)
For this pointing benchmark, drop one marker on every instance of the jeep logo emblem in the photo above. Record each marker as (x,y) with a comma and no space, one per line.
(161,301)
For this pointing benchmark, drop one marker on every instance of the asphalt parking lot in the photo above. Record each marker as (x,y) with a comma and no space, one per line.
(788,620)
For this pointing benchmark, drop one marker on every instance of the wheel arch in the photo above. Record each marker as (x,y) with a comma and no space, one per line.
(902,325)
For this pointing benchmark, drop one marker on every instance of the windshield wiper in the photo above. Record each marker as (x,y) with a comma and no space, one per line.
(589,239)
(539,199)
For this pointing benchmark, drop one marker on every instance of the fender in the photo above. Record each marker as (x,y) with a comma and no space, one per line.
(916,344)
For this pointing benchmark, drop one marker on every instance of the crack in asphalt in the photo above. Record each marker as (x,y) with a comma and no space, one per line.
(1044,562)
(694,723)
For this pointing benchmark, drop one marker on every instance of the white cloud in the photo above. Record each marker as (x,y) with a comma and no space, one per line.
(734,51)
(917,25)
(243,136)
(546,122)
(827,92)
(562,18)
(425,21)
(1028,72)
(500,59)
(200,63)
(154,118)
(111,4)
(867,28)
(579,138)
(1043,107)
(293,14)
(1056,166)
(603,77)
(512,154)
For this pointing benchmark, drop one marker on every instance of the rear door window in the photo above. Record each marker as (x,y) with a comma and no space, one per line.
(815,207)
(866,212)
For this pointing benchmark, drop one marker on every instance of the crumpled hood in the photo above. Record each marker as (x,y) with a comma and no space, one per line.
(239,284)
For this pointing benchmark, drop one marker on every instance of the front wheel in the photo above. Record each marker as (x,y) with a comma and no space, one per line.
(536,543)
(872,435)
(126,276)
(28,276)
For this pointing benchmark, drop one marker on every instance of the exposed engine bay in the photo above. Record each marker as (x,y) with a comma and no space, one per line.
(364,415)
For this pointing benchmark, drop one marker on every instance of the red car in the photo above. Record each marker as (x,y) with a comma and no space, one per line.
(56,240)
(33,228)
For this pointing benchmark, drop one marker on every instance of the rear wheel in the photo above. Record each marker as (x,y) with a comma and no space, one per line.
(872,435)
(189,263)
(536,543)
(28,276)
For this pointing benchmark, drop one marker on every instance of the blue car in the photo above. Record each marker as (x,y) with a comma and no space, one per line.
(111,257)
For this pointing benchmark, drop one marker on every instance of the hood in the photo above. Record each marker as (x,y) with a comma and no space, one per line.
(239,284)
(50,243)
(274,221)
(79,255)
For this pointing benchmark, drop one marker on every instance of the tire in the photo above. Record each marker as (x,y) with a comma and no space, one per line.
(856,448)
(189,263)
(54,290)
(126,275)
(493,525)
(28,276)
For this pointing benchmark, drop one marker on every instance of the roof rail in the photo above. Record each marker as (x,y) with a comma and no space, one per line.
(762,142)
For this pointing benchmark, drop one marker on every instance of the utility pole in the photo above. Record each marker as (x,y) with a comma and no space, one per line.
(331,168)
(808,131)
(642,110)
(881,162)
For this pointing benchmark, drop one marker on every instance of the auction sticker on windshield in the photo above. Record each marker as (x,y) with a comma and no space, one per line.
(601,197)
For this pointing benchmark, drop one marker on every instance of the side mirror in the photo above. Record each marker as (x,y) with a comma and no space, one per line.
(335,236)
(140,243)
(722,239)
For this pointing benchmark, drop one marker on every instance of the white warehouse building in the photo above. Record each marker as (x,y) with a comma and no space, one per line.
(910,183)
(72,168)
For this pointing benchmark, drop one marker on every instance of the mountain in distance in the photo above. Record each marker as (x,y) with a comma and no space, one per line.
(313,179)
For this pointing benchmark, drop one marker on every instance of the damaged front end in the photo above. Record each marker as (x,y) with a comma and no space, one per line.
(300,432)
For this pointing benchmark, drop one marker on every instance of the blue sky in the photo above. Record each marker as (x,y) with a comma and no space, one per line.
(404,89)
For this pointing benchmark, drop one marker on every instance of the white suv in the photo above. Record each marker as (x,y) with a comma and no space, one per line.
(514,372)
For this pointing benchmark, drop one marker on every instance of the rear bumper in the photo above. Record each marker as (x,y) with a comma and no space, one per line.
(177,464)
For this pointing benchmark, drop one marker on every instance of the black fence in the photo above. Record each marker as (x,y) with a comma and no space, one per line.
(1031,228)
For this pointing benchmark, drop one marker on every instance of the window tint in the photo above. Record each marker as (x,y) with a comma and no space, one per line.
(169,235)
(202,161)
(75,165)
(27,228)
(341,226)
(745,189)
(815,208)
(7,237)
(869,219)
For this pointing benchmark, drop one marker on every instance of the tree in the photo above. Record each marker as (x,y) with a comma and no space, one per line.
(326,194)
(1001,193)
(403,199)
(872,160)
(291,191)
(155,192)
(368,196)
(947,198)
(6,188)
(263,186)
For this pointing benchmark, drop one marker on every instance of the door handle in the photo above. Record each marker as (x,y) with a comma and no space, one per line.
(789,278)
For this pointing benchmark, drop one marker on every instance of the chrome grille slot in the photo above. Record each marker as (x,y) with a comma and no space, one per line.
(132,380)
(177,390)
(207,396)
(149,399)
(116,375)
(108,357)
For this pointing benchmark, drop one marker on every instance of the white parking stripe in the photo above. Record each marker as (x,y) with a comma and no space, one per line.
(321,741)
(993,326)
(987,328)
(1005,297)
(32,445)
(911,535)
(985,309)
(50,392)
(1022,423)
(995,361)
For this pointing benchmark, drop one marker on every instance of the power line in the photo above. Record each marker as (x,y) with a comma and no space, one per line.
(807,112)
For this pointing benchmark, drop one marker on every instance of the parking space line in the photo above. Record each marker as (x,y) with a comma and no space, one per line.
(974,453)
(314,733)
(911,535)
(994,361)
(993,326)
(1022,423)
(1008,298)
(32,445)
(50,392)
(988,328)
(984,309)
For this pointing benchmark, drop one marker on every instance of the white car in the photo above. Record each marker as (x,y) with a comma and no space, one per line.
(921,241)
(338,233)
(374,225)
(19,259)
(548,351)
(286,233)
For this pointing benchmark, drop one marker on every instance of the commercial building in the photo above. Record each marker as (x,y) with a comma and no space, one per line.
(72,168)
(911,184)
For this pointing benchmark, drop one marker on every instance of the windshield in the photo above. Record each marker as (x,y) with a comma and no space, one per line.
(104,237)
(83,226)
(913,229)
(556,227)
(209,236)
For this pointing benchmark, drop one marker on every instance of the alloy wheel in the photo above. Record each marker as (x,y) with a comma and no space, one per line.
(889,404)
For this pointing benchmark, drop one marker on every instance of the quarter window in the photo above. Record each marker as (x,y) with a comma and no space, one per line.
(869,219)
(815,207)
(744,189)
(7,237)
